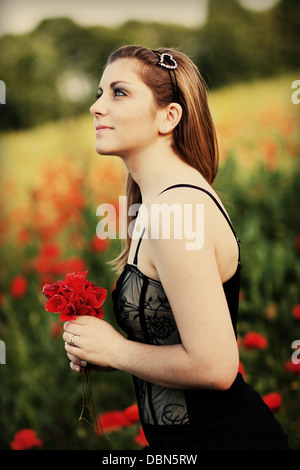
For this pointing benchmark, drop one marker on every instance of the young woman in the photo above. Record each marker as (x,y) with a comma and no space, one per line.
(177,306)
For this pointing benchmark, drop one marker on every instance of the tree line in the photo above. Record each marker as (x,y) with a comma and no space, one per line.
(53,71)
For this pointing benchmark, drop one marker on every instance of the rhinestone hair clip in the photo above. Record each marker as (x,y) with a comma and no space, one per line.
(166,60)
(171,64)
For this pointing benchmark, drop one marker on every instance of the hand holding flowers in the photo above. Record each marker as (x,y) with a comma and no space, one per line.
(94,343)
(88,338)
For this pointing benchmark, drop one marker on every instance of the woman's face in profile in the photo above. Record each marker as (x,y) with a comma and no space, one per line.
(126,117)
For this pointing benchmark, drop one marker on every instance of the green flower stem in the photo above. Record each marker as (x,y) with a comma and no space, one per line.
(88,400)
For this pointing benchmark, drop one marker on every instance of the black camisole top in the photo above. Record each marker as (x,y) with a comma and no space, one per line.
(143,312)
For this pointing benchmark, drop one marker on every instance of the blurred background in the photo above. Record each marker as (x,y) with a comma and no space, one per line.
(52,181)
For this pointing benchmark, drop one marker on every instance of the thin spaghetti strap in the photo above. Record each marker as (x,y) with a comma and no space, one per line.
(209,194)
(200,189)
(137,248)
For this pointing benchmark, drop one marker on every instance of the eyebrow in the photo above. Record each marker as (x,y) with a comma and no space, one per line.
(113,84)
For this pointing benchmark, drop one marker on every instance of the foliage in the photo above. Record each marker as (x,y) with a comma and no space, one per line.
(52,184)
(53,71)
(236,44)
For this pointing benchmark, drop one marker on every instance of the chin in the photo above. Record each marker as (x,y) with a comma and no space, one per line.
(102,150)
(105,152)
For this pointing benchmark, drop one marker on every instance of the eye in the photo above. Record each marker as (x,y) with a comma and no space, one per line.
(98,95)
(119,92)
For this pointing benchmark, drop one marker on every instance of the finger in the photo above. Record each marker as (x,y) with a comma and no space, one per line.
(75,367)
(76,360)
(72,349)
(73,327)
(73,358)
(71,339)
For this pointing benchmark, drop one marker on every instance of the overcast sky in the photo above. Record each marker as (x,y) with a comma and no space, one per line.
(22,15)
(19,16)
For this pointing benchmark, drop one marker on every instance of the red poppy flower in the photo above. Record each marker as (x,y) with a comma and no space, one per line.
(74,263)
(273,400)
(49,261)
(25,439)
(98,245)
(23,236)
(75,295)
(296,312)
(18,286)
(241,369)
(115,420)
(132,413)
(50,250)
(56,329)
(254,340)
(140,439)
(292,367)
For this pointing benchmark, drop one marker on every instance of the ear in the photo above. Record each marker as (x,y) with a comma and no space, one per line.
(171,117)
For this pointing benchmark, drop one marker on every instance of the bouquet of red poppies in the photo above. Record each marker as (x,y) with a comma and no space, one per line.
(75,295)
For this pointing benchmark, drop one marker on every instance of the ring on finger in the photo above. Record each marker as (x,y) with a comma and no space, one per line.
(71,342)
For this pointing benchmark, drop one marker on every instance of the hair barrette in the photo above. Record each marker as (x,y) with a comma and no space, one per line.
(166,60)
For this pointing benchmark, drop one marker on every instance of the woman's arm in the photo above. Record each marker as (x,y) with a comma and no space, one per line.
(208,354)
(207,357)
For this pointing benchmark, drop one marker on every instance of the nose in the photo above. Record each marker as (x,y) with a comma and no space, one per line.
(97,108)
(94,109)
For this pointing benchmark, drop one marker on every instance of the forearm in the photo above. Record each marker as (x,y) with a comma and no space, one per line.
(175,366)
(169,366)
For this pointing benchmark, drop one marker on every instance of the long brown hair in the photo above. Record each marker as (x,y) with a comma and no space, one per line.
(194,138)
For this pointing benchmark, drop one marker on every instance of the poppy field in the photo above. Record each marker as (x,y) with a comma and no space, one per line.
(52,183)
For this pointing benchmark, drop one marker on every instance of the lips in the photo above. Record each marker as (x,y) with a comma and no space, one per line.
(103,128)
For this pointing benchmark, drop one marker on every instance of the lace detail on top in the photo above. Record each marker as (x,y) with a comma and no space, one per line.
(143,311)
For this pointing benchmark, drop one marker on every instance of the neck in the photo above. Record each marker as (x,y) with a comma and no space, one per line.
(156,168)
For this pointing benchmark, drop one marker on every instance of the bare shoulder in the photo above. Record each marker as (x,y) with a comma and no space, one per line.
(179,226)
(188,226)
(185,207)
(192,193)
